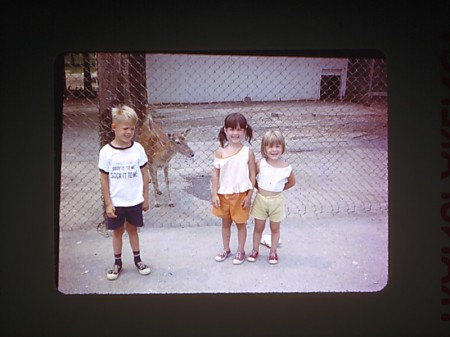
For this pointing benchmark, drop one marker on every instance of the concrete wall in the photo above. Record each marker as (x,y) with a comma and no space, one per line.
(184,78)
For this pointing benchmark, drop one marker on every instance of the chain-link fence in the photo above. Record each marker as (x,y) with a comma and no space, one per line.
(332,111)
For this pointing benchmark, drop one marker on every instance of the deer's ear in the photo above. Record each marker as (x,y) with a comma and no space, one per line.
(185,132)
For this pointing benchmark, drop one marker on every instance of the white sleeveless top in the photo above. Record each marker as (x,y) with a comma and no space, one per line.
(234,173)
(272,178)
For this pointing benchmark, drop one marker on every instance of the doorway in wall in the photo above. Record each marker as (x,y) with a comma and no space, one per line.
(330,87)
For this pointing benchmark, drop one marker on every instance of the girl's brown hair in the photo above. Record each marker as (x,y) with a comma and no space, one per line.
(234,120)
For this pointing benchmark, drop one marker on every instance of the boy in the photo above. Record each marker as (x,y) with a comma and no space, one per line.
(124,182)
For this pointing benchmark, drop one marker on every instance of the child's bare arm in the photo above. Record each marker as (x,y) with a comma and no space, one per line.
(109,207)
(252,167)
(215,182)
(258,162)
(252,172)
(145,179)
(290,181)
(215,187)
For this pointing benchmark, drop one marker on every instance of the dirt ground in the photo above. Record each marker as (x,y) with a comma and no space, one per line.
(338,150)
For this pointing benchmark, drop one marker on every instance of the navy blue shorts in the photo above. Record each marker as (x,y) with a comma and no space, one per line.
(132,214)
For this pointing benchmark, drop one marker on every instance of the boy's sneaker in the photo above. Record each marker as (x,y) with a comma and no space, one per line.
(223,255)
(252,257)
(113,274)
(142,268)
(273,258)
(239,258)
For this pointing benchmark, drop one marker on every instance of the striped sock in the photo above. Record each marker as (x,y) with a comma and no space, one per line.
(118,259)
(137,256)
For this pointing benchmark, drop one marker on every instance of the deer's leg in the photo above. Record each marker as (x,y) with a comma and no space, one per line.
(166,176)
(154,177)
(157,190)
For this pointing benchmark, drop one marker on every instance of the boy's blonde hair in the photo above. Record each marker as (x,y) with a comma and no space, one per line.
(124,113)
(272,137)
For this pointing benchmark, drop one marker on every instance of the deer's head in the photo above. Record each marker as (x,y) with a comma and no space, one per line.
(178,140)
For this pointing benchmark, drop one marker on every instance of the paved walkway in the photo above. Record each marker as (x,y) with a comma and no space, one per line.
(329,254)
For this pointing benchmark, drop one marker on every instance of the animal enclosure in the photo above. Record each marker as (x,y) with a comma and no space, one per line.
(335,130)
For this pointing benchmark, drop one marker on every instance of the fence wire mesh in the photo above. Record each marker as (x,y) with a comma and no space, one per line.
(332,112)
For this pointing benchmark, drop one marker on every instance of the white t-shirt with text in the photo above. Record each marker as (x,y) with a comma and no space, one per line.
(123,166)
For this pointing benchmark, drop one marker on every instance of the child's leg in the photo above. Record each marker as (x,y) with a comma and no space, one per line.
(275,230)
(226,233)
(134,241)
(257,233)
(117,240)
(133,236)
(117,249)
(242,236)
(133,221)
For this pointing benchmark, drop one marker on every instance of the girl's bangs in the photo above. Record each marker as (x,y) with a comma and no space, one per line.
(235,120)
(272,139)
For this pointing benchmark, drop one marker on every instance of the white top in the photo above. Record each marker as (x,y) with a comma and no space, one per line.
(123,166)
(272,178)
(234,173)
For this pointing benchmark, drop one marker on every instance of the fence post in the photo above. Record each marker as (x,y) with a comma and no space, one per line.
(138,86)
(87,77)
(111,91)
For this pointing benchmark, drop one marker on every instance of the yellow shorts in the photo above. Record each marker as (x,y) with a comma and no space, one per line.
(271,207)
(231,208)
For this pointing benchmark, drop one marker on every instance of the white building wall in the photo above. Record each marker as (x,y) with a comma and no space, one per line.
(184,78)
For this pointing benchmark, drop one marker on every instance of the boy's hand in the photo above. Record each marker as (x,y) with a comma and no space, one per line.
(145,206)
(111,211)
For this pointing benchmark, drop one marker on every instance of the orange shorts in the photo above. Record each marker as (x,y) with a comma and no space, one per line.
(231,208)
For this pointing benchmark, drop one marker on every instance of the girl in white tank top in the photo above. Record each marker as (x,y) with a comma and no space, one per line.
(274,175)
(232,183)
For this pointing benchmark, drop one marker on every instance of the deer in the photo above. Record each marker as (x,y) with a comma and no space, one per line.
(160,148)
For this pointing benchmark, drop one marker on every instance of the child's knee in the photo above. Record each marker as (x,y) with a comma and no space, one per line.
(259,226)
(131,229)
(241,226)
(226,223)
(275,228)
(119,231)
(258,229)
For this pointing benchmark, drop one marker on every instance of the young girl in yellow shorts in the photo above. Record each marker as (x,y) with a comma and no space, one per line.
(273,176)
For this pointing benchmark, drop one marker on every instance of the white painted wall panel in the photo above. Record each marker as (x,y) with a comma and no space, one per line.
(184,78)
